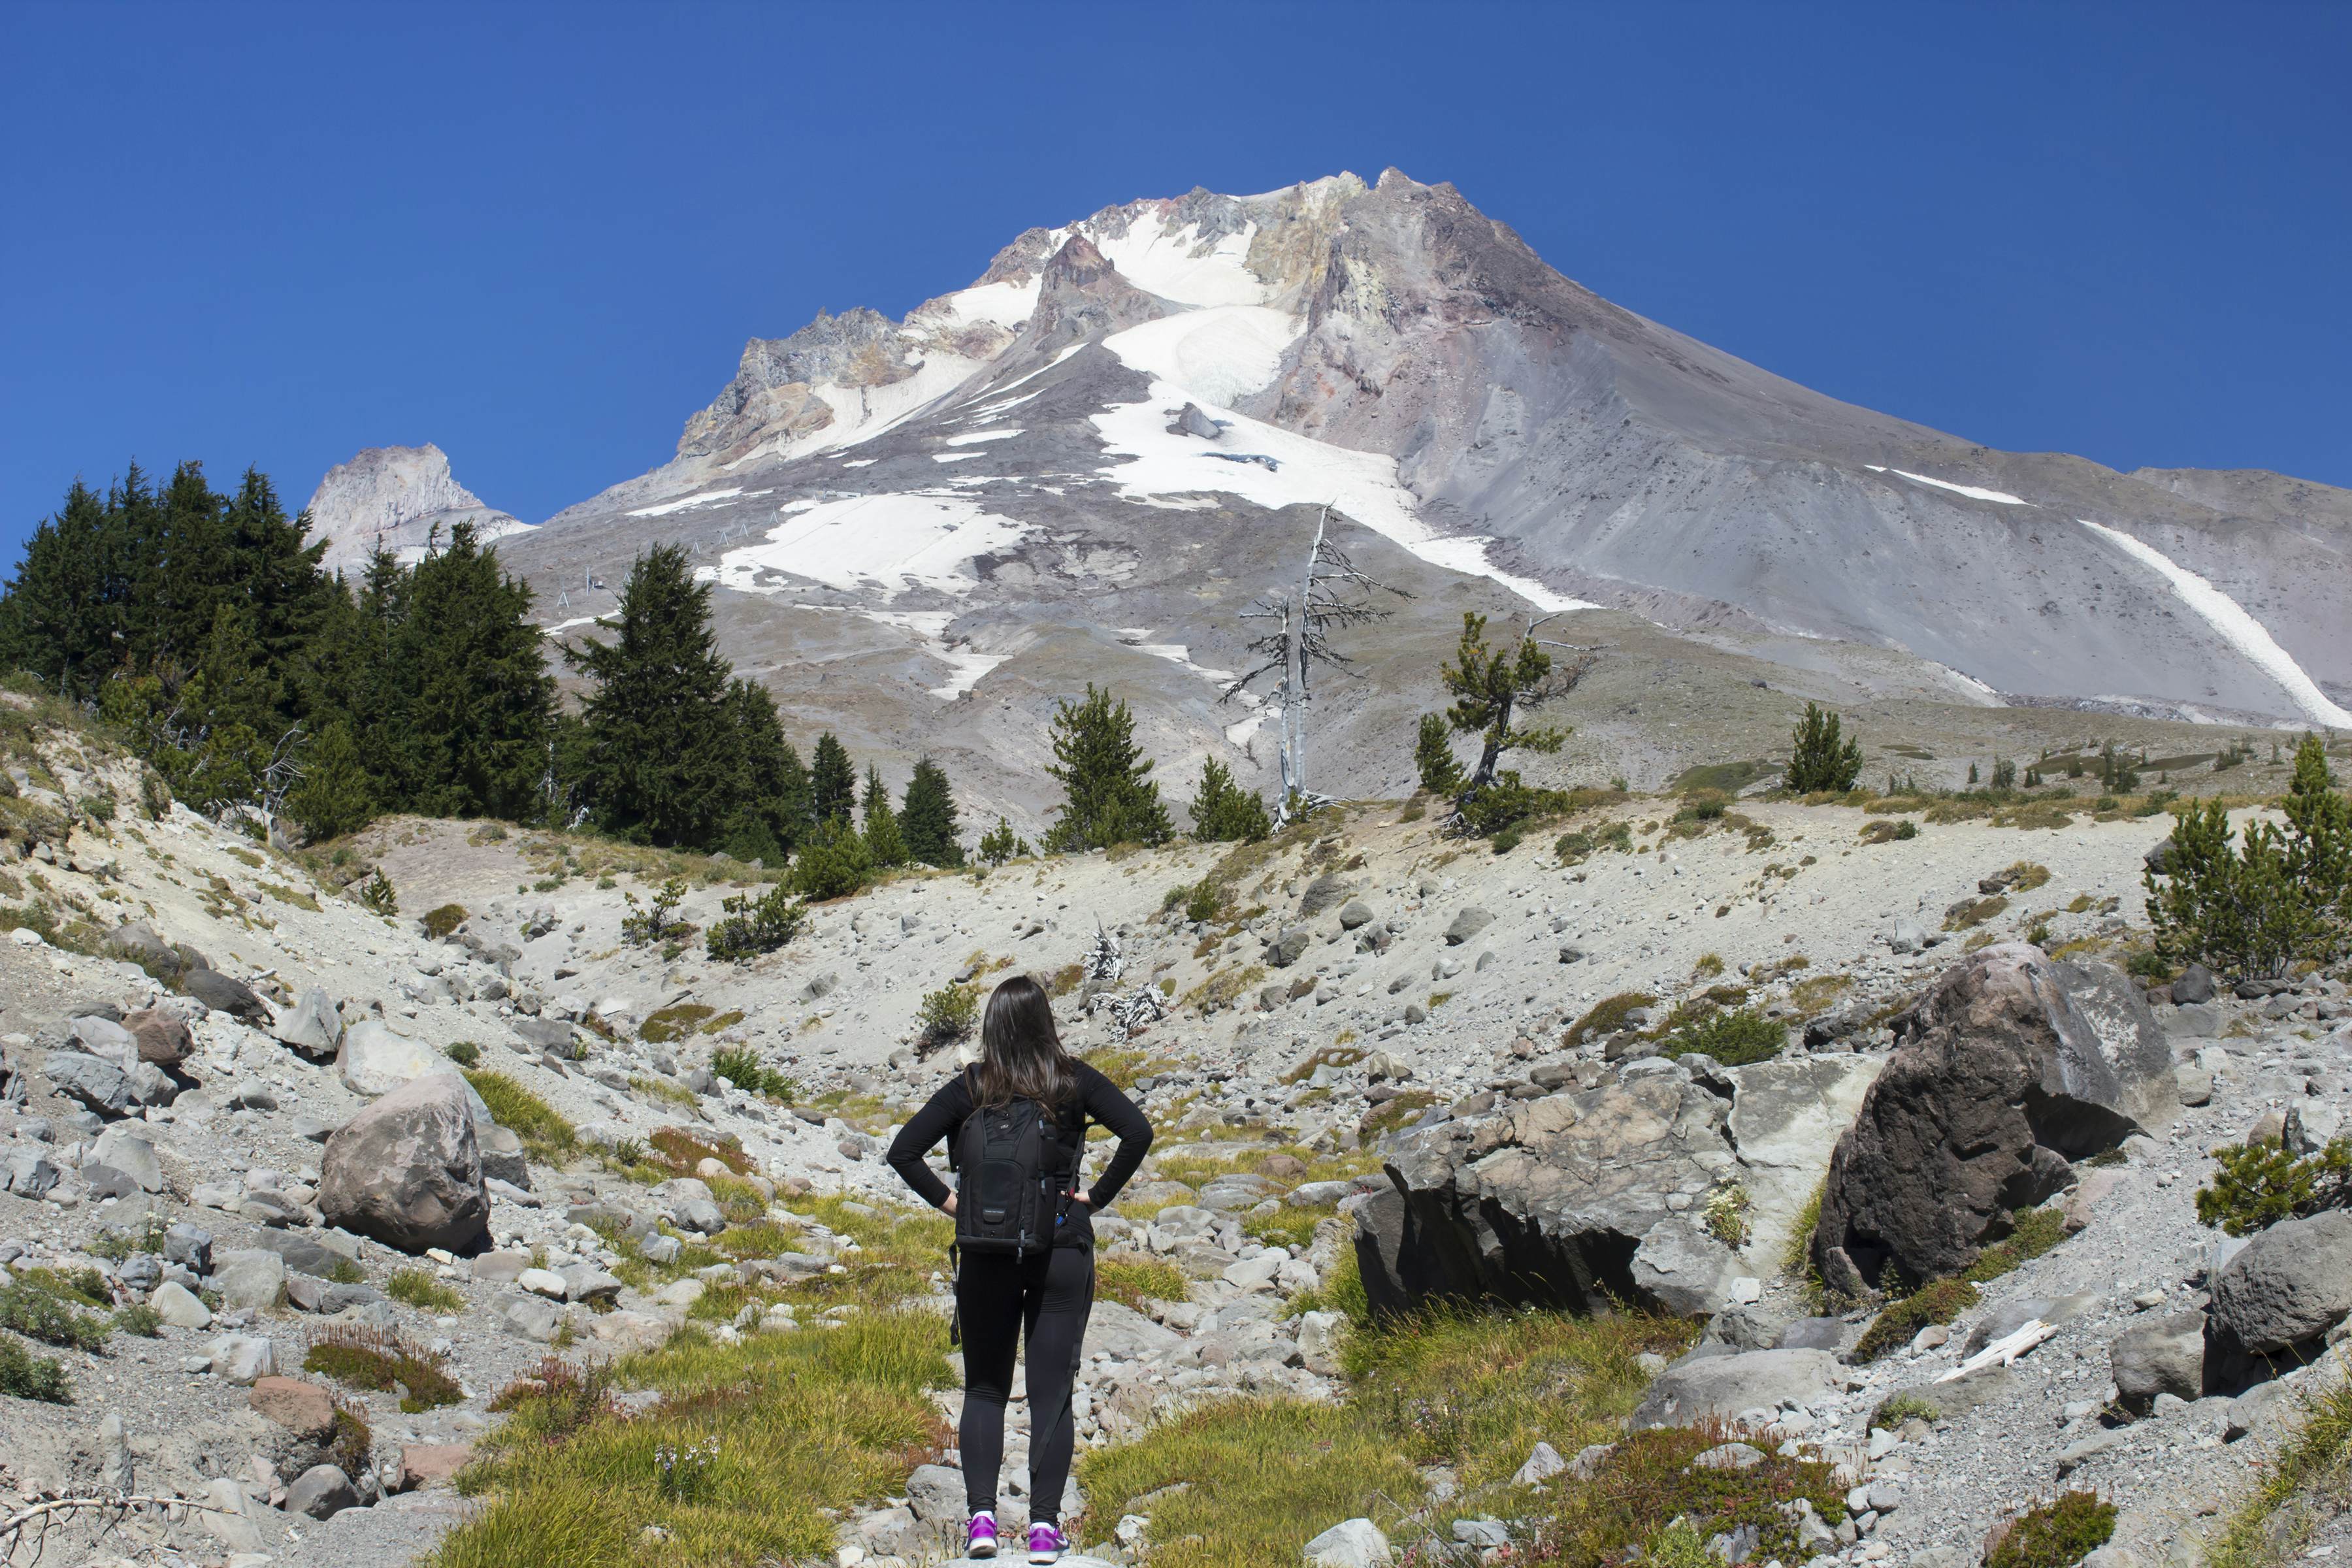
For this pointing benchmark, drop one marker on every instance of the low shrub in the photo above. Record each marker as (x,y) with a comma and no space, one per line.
(2056,1534)
(440,922)
(140,1319)
(1726,1214)
(1893,1413)
(1893,1329)
(741,1066)
(465,1053)
(748,927)
(383,1361)
(947,1015)
(417,1289)
(56,1308)
(24,1375)
(2255,1186)
(1606,1016)
(1734,1038)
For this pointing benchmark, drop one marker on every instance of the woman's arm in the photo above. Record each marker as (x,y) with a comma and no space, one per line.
(1127,1122)
(938,1118)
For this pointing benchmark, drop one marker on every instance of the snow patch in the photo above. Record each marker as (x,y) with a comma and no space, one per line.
(704,499)
(973,437)
(1971,491)
(2238,627)
(1220,354)
(1173,265)
(858,462)
(1361,485)
(1175,653)
(881,540)
(1006,304)
(955,456)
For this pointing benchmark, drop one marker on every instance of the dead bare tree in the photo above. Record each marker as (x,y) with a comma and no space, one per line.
(1332,593)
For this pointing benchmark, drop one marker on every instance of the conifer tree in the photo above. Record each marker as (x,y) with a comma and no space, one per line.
(927,817)
(998,843)
(661,761)
(335,795)
(884,842)
(1819,757)
(1433,757)
(833,783)
(772,811)
(482,700)
(1108,796)
(1224,812)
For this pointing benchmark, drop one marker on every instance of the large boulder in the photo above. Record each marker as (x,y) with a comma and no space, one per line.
(1786,1118)
(375,1061)
(162,1036)
(2010,1068)
(2285,1287)
(407,1171)
(2167,1356)
(1723,1387)
(1548,1202)
(312,1026)
(223,995)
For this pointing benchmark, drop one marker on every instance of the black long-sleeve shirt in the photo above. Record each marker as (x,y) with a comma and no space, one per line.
(1099,1101)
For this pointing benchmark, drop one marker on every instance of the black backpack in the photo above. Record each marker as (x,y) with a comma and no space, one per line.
(1013,1180)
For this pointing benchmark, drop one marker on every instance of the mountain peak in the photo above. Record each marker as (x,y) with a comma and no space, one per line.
(396,497)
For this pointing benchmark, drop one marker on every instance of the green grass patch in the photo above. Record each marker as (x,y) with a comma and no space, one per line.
(1893,1329)
(679,1152)
(1391,1114)
(742,1065)
(417,1289)
(2056,1534)
(2265,1529)
(440,922)
(1134,1281)
(547,1136)
(1736,1038)
(384,1362)
(800,1426)
(675,1023)
(2037,1230)
(1606,1016)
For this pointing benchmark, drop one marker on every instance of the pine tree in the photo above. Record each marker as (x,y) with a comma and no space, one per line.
(661,760)
(1108,797)
(834,863)
(1818,758)
(833,781)
(1490,686)
(927,817)
(884,842)
(771,813)
(998,843)
(1224,812)
(335,795)
(482,699)
(2319,838)
(1433,757)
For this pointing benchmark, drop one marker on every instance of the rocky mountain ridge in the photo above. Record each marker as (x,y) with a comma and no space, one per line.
(398,498)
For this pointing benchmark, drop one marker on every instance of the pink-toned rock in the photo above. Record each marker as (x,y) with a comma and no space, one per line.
(422,1463)
(303,1408)
(163,1036)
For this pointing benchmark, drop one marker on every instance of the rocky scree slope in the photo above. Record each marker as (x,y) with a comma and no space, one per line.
(1369,992)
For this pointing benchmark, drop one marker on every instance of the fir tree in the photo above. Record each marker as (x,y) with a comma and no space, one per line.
(2319,838)
(1818,758)
(1490,685)
(335,795)
(998,843)
(661,760)
(833,783)
(772,811)
(1433,757)
(834,863)
(481,699)
(884,843)
(1108,797)
(927,817)
(1224,812)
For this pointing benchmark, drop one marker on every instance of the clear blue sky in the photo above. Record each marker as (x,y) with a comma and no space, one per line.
(538,235)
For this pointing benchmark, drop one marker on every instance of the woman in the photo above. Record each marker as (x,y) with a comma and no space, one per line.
(1046,1292)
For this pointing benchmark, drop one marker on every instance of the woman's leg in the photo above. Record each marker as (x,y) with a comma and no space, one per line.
(1056,1329)
(989,1300)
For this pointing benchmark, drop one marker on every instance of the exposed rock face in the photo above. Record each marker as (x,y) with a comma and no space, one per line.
(1721,1387)
(397,495)
(2012,1066)
(407,1172)
(1549,1201)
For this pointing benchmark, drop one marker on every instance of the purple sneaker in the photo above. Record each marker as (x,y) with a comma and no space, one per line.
(980,1537)
(1046,1542)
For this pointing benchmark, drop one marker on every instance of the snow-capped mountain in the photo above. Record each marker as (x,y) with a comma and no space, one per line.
(396,496)
(1086,463)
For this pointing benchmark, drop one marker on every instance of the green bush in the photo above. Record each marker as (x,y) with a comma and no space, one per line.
(1206,900)
(140,1319)
(749,928)
(1819,757)
(741,1066)
(1433,757)
(833,864)
(465,1053)
(642,926)
(1893,1413)
(415,1287)
(440,922)
(2276,898)
(2255,1186)
(948,1013)
(1734,1038)
(1939,1302)
(1224,812)
(47,1305)
(998,843)
(2055,1535)
(24,1375)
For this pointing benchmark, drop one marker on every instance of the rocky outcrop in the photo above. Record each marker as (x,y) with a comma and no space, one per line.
(407,1171)
(2010,1069)
(2284,1289)
(396,497)
(1548,1202)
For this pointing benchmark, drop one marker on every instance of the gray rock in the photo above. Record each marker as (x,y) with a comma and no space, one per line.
(244,1359)
(547,1033)
(2196,1021)
(1324,892)
(1721,1387)
(407,1172)
(2286,1287)
(1352,1544)
(2167,1356)
(1354,913)
(1289,947)
(232,1519)
(131,1151)
(2010,1067)
(1683,1269)
(190,1247)
(321,1491)
(96,1082)
(180,1306)
(313,1026)
(29,1172)
(503,1158)
(375,1061)
(249,1279)
(2014,1312)
(1543,1463)
(1815,1334)
(2195,985)
(587,1282)
(1467,925)
(530,1317)
(935,1494)
(221,995)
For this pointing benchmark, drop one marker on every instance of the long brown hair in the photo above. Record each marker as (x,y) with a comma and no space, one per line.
(1021,1054)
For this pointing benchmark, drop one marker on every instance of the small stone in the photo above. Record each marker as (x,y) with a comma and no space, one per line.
(1543,1463)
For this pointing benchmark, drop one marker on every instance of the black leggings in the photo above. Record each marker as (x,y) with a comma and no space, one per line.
(1001,1299)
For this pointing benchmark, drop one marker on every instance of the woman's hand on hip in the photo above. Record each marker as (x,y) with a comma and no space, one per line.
(949,1206)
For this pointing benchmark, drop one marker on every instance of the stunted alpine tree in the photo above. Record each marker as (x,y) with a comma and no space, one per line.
(1492,688)
(1331,593)
(1110,797)
(1819,757)
(1224,812)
